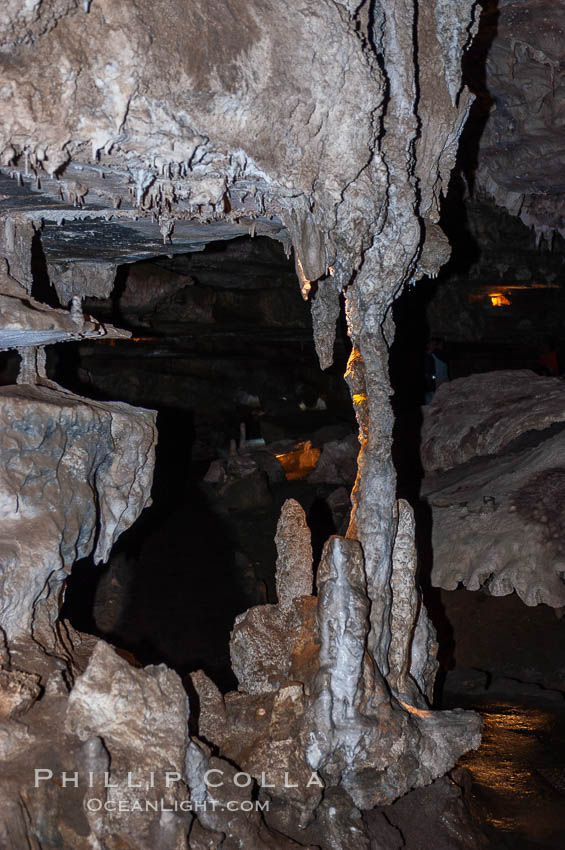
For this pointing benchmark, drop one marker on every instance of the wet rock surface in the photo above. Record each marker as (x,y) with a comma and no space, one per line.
(520,804)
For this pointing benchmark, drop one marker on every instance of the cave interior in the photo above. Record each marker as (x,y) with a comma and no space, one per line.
(189,554)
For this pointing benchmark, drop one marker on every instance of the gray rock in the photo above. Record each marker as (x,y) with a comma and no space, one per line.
(498,522)
(483,414)
(337,463)
(75,474)
(143,711)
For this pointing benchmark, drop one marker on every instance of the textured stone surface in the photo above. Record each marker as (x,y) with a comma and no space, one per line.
(333,716)
(412,662)
(498,523)
(482,414)
(106,700)
(148,286)
(497,505)
(340,121)
(75,474)
(90,279)
(26,322)
(437,816)
(217,824)
(345,748)
(294,549)
(520,156)
(18,692)
(291,142)
(109,744)
(269,643)
(337,463)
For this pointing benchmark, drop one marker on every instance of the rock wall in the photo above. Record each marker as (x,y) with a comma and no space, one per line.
(492,447)
(339,121)
(75,474)
(520,97)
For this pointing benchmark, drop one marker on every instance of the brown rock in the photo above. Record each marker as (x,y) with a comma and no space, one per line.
(18,692)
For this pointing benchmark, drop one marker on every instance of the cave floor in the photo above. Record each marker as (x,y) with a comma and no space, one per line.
(518,789)
(504,660)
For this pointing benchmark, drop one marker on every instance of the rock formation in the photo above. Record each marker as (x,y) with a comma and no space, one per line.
(332,126)
(493,448)
(520,155)
(310,705)
(483,414)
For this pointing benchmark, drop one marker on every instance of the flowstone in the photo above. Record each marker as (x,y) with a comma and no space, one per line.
(75,474)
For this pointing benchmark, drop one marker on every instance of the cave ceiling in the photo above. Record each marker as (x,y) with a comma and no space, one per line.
(515,150)
(90,214)
(148,182)
(153,127)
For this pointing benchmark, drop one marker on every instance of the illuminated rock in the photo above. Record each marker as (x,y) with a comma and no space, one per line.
(483,414)
(498,522)
(75,474)
(310,697)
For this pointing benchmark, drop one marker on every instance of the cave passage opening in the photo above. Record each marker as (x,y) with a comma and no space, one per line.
(222,348)
(492,251)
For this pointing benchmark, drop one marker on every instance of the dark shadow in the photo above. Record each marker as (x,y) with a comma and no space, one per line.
(194,560)
(117,292)
(42,289)
(454,218)
(321,524)
(474,65)
(170,592)
(406,365)
(407,353)
(9,367)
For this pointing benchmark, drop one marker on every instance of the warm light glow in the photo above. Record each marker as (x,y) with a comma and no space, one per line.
(299,461)
(503,764)
(411,709)
(305,284)
(505,290)
(499,300)
(360,398)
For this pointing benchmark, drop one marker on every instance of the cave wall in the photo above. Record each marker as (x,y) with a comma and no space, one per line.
(520,95)
(495,252)
(503,214)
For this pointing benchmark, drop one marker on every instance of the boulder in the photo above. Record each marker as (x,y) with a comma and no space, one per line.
(337,463)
